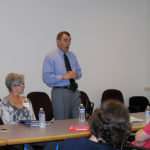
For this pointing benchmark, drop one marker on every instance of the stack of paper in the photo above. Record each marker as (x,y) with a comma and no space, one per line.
(134,119)
(31,123)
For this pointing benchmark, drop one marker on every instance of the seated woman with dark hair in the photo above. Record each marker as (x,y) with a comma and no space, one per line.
(109,127)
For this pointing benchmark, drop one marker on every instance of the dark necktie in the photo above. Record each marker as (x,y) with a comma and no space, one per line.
(73,85)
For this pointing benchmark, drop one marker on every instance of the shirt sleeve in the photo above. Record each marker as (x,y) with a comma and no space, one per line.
(147,129)
(48,75)
(77,68)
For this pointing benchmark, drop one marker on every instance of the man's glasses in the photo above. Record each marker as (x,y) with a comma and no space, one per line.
(22,84)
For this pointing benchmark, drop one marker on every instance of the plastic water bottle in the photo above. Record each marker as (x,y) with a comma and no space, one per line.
(147,115)
(42,122)
(81,113)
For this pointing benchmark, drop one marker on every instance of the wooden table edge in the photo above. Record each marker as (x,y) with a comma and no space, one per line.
(47,138)
(137,128)
(3,141)
(54,138)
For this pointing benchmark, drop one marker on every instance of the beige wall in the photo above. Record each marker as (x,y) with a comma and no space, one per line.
(109,38)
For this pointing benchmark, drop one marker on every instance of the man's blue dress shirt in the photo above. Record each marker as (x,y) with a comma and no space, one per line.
(54,68)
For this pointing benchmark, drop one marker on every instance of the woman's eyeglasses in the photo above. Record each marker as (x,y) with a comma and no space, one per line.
(22,84)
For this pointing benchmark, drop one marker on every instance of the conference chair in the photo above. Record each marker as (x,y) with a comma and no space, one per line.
(41,100)
(87,104)
(112,94)
(1,121)
(138,103)
(128,146)
(8,147)
(116,95)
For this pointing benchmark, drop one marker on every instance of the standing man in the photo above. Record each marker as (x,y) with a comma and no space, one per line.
(60,70)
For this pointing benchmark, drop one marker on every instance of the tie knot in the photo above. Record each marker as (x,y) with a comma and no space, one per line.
(65,55)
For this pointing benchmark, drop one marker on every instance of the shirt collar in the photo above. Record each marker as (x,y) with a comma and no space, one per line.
(61,52)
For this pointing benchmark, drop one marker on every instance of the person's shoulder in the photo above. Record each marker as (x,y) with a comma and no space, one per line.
(73,144)
(83,144)
(105,146)
(76,140)
(71,53)
(52,54)
(4,104)
(4,100)
(71,141)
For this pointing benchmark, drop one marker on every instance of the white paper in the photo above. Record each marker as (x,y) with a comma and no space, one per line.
(134,119)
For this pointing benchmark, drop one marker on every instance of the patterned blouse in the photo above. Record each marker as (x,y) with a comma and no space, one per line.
(11,114)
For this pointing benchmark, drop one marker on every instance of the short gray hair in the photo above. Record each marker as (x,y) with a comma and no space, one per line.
(13,79)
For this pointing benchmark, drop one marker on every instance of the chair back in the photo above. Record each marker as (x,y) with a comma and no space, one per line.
(1,121)
(128,146)
(41,100)
(140,102)
(112,94)
(87,104)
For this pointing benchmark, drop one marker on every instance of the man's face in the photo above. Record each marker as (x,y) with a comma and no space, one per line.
(64,43)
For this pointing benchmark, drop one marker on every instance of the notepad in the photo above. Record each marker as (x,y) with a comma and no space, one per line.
(32,123)
(3,130)
(78,128)
(134,119)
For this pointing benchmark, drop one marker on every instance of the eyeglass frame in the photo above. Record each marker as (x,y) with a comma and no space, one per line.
(22,84)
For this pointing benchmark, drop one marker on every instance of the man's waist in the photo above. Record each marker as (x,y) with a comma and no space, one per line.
(70,87)
(63,87)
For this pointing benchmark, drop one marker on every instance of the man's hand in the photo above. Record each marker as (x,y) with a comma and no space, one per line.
(73,74)
(70,75)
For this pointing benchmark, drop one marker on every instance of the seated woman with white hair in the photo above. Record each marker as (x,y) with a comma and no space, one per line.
(15,107)
(109,127)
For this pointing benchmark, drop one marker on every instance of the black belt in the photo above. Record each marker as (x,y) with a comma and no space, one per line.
(66,87)
(62,87)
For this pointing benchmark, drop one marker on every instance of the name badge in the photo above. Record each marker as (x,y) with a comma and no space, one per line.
(25,104)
